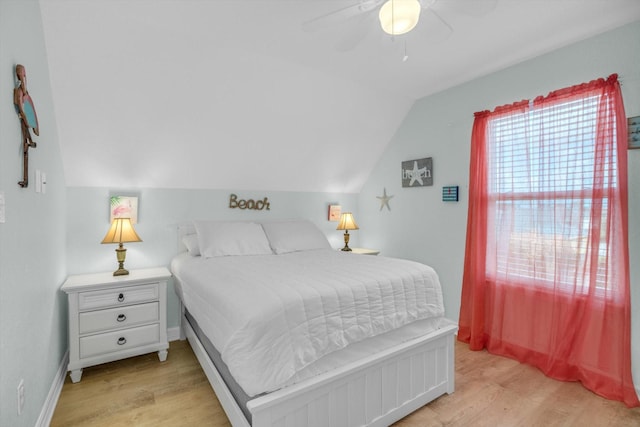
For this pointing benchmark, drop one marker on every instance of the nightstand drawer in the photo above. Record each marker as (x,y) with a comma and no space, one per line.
(119,340)
(117,296)
(118,317)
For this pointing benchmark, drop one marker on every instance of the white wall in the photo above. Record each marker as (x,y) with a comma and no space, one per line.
(33,336)
(422,227)
(161,210)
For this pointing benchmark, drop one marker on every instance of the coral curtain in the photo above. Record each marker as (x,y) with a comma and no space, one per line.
(546,273)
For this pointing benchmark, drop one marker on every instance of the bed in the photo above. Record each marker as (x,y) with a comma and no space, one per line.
(293,333)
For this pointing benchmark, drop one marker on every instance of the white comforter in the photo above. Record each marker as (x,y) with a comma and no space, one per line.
(272,315)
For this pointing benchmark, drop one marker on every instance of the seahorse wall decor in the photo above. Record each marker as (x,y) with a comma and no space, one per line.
(28,120)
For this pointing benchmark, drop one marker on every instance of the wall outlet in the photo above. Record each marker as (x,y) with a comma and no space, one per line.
(20,396)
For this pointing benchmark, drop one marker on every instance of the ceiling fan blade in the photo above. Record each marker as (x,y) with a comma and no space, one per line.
(359,31)
(433,26)
(340,15)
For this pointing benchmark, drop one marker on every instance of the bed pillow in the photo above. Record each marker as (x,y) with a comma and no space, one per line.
(294,235)
(190,241)
(221,238)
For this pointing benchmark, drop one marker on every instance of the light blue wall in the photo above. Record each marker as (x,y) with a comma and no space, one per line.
(422,227)
(38,249)
(33,335)
(161,210)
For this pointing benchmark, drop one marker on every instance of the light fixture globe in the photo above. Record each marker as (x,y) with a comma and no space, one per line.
(399,16)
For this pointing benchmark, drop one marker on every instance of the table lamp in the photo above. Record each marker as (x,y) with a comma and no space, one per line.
(347,223)
(121,231)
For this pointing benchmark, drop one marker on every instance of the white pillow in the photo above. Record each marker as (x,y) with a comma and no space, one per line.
(294,235)
(220,238)
(191,243)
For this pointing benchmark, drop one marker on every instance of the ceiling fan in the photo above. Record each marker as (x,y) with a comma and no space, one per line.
(396,17)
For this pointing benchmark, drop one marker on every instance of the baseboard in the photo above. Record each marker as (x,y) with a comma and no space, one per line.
(54,393)
(173,334)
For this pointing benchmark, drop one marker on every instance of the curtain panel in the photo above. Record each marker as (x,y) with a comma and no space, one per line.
(546,273)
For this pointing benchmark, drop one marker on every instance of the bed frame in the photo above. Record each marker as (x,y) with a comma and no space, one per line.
(374,391)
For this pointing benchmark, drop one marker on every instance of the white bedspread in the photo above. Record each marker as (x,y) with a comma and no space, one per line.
(272,315)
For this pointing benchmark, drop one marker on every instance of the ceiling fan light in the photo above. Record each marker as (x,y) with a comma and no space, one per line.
(399,16)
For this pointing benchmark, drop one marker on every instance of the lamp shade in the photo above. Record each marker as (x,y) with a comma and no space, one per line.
(399,16)
(121,231)
(347,222)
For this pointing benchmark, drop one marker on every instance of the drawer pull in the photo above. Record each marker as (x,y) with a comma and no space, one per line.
(121,318)
(122,341)
(121,297)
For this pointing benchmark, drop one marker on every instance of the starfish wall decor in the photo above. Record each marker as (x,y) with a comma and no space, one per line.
(384,199)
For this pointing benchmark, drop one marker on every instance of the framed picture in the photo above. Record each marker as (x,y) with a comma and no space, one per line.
(417,173)
(334,212)
(450,193)
(634,131)
(124,207)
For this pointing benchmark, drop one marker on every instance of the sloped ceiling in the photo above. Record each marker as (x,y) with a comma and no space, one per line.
(236,94)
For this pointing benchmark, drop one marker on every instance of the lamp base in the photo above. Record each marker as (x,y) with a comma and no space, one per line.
(346,242)
(121,253)
(123,272)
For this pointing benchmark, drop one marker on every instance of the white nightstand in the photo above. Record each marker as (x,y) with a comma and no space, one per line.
(363,251)
(114,317)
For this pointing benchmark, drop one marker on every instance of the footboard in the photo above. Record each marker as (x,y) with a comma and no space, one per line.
(375,391)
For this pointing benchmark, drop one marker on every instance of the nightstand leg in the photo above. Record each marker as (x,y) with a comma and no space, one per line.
(162,355)
(76,375)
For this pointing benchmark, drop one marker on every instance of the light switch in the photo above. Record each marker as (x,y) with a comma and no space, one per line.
(43,181)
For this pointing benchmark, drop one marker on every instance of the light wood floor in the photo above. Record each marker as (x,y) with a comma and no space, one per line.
(490,391)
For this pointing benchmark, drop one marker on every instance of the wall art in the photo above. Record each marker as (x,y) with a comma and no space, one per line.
(334,212)
(256,205)
(28,120)
(634,131)
(450,193)
(417,173)
(124,207)
(384,199)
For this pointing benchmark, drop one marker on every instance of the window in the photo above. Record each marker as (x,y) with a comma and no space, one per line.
(541,185)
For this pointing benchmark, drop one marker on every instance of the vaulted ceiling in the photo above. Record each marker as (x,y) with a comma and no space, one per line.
(242,94)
